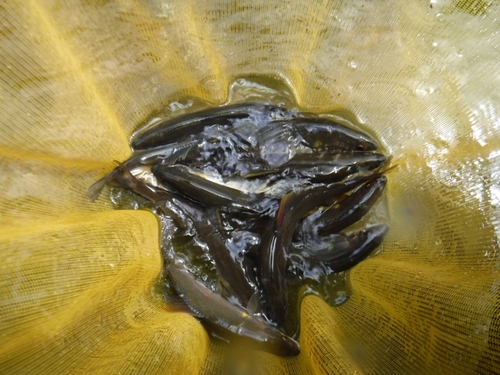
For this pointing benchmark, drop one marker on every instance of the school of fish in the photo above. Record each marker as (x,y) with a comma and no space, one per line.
(255,184)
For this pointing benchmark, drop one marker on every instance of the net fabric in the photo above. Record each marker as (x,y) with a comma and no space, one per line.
(77,294)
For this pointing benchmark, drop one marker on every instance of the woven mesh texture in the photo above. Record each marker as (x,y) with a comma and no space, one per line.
(77,77)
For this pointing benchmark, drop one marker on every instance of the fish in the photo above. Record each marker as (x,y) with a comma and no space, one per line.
(212,308)
(330,167)
(324,167)
(351,209)
(206,225)
(271,268)
(173,130)
(229,271)
(322,133)
(276,240)
(143,160)
(292,183)
(209,193)
(342,251)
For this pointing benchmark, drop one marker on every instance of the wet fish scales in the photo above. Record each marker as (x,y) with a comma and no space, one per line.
(331,167)
(205,191)
(322,133)
(351,209)
(230,272)
(172,130)
(211,307)
(360,246)
(275,243)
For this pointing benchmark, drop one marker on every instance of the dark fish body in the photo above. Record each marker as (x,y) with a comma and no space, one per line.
(141,158)
(322,133)
(229,271)
(175,129)
(343,187)
(271,269)
(324,167)
(205,191)
(343,251)
(165,154)
(271,264)
(302,179)
(331,167)
(211,307)
(351,209)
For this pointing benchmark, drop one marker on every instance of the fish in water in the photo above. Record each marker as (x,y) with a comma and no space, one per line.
(325,167)
(207,192)
(172,130)
(342,251)
(322,133)
(211,307)
(254,185)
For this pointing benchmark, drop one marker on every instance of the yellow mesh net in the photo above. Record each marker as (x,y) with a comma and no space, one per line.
(77,288)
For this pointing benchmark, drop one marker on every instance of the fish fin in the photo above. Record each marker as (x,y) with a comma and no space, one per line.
(95,190)
(123,178)
(254,306)
(120,171)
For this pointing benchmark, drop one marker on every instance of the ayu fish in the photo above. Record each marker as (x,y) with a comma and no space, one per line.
(231,274)
(352,208)
(325,167)
(211,307)
(209,193)
(173,130)
(271,265)
(343,251)
(331,167)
